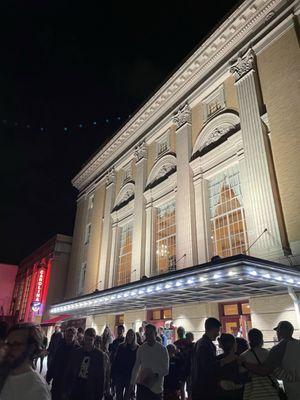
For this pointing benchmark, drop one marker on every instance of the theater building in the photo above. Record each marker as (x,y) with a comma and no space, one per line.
(192,209)
(40,280)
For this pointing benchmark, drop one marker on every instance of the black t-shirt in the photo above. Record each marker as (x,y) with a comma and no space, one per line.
(80,387)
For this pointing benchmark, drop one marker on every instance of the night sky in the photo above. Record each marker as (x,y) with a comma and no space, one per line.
(71,73)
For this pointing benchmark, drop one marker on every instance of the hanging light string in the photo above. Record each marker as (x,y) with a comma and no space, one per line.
(65,128)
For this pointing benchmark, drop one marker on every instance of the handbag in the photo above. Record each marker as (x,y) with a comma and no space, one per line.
(281,393)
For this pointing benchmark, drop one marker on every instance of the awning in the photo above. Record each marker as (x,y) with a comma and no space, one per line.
(229,278)
(56,320)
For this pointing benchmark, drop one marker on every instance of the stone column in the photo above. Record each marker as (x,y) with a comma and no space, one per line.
(149,242)
(139,217)
(113,255)
(260,204)
(185,201)
(103,276)
(201,220)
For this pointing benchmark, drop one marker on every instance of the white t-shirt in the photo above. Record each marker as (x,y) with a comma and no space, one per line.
(154,358)
(27,386)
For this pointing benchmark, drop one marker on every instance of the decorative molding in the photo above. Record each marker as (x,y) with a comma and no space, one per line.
(140,151)
(243,65)
(162,168)
(183,116)
(110,176)
(242,24)
(215,129)
(126,193)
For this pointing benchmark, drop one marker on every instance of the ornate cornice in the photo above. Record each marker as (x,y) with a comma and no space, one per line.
(247,19)
(183,116)
(243,65)
(110,176)
(140,151)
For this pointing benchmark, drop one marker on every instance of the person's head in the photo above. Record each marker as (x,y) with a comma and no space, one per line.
(23,345)
(189,337)
(138,338)
(57,328)
(241,345)
(98,342)
(256,338)
(120,330)
(171,350)
(89,339)
(80,333)
(70,335)
(150,334)
(284,330)
(130,337)
(180,332)
(212,328)
(227,343)
(160,330)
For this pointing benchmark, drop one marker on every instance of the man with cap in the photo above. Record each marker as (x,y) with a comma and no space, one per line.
(285,356)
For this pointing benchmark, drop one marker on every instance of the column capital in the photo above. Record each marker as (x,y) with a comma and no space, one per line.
(140,151)
(183,116)
(110,176)
(243,65)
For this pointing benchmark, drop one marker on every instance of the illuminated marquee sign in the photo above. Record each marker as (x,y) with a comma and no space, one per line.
(38,293)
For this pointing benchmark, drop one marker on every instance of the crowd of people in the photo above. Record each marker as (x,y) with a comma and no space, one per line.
(143,365)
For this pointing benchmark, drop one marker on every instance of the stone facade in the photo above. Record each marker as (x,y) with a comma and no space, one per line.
(243,116)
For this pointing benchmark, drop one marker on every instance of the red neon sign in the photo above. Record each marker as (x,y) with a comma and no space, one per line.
(38,292)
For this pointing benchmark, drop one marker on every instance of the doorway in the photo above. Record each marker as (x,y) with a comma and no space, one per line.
(235,318)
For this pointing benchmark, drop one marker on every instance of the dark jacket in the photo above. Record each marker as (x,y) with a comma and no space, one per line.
(55,342)
(96,373)
(124,362)
(204,370)
(230,372)
(57,369)
(176,375)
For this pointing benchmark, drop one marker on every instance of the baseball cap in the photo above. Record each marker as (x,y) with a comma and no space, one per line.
(284,325)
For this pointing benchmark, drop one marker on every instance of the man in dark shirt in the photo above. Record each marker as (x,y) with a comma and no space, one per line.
(86,371)
(205,363)
(55,342)
(60,361)
(113,347)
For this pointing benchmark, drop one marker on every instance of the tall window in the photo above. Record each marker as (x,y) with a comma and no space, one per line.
(166,238)
(25,297)
(123,271)
(227,218)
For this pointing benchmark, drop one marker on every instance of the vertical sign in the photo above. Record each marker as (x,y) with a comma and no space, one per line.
(38,291)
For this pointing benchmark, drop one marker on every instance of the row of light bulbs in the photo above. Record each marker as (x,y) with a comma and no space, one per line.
(179,283)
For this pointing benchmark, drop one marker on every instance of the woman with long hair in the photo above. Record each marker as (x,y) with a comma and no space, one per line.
(123,365)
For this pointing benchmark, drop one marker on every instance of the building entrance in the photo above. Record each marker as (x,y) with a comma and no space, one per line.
(236,318)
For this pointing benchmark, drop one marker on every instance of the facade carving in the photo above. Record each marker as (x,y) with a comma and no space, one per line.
(140,151)
(110,176)
(216,134)
(183,116)
(243,65)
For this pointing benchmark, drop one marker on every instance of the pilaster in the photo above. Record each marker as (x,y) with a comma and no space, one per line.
(186,247)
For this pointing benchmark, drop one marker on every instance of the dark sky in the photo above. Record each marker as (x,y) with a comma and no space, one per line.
(65,63)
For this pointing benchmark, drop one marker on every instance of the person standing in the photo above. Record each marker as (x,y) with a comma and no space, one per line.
(80,336)
(285,356)
(113,347)
(85,374)
(205,364)
(258,387)
(173,381)
(188,362)
(162,335)
(123,365)
(55,341)
(22,346)
(152,364)
(182,344)
(59,364)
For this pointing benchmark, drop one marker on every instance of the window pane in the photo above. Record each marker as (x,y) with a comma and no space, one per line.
(231,309)
(167,314)
(156,314)
(166,238)
(228,227)
(246,308)
(123,270)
